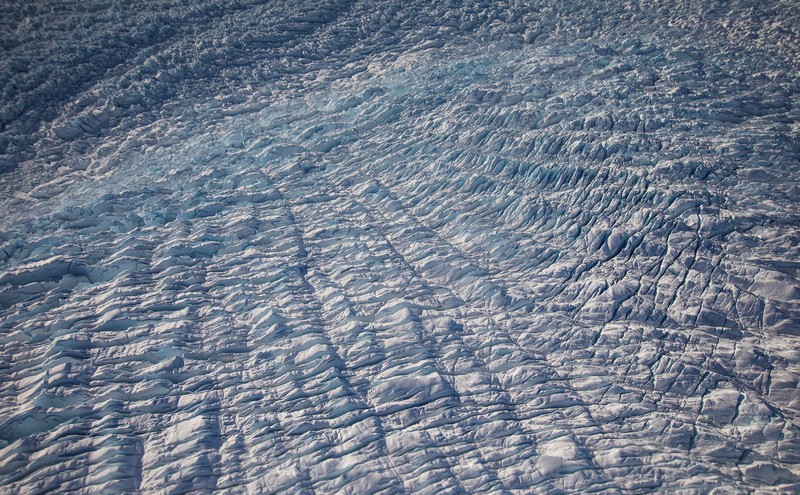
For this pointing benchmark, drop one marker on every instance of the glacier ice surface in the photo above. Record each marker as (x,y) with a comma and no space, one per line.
(399,247)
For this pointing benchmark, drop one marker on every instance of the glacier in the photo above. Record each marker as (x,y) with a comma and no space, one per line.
(400,247)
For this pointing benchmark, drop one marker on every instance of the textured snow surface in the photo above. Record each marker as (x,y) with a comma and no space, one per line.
(399,247)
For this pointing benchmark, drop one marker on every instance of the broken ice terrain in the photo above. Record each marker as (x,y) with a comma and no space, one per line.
(396,247)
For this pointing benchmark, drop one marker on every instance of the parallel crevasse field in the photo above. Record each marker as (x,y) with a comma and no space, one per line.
(396,247)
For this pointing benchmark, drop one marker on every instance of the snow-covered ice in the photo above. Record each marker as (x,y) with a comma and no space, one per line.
(400,247)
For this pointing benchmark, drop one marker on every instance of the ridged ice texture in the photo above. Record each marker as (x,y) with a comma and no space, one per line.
(400,247)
